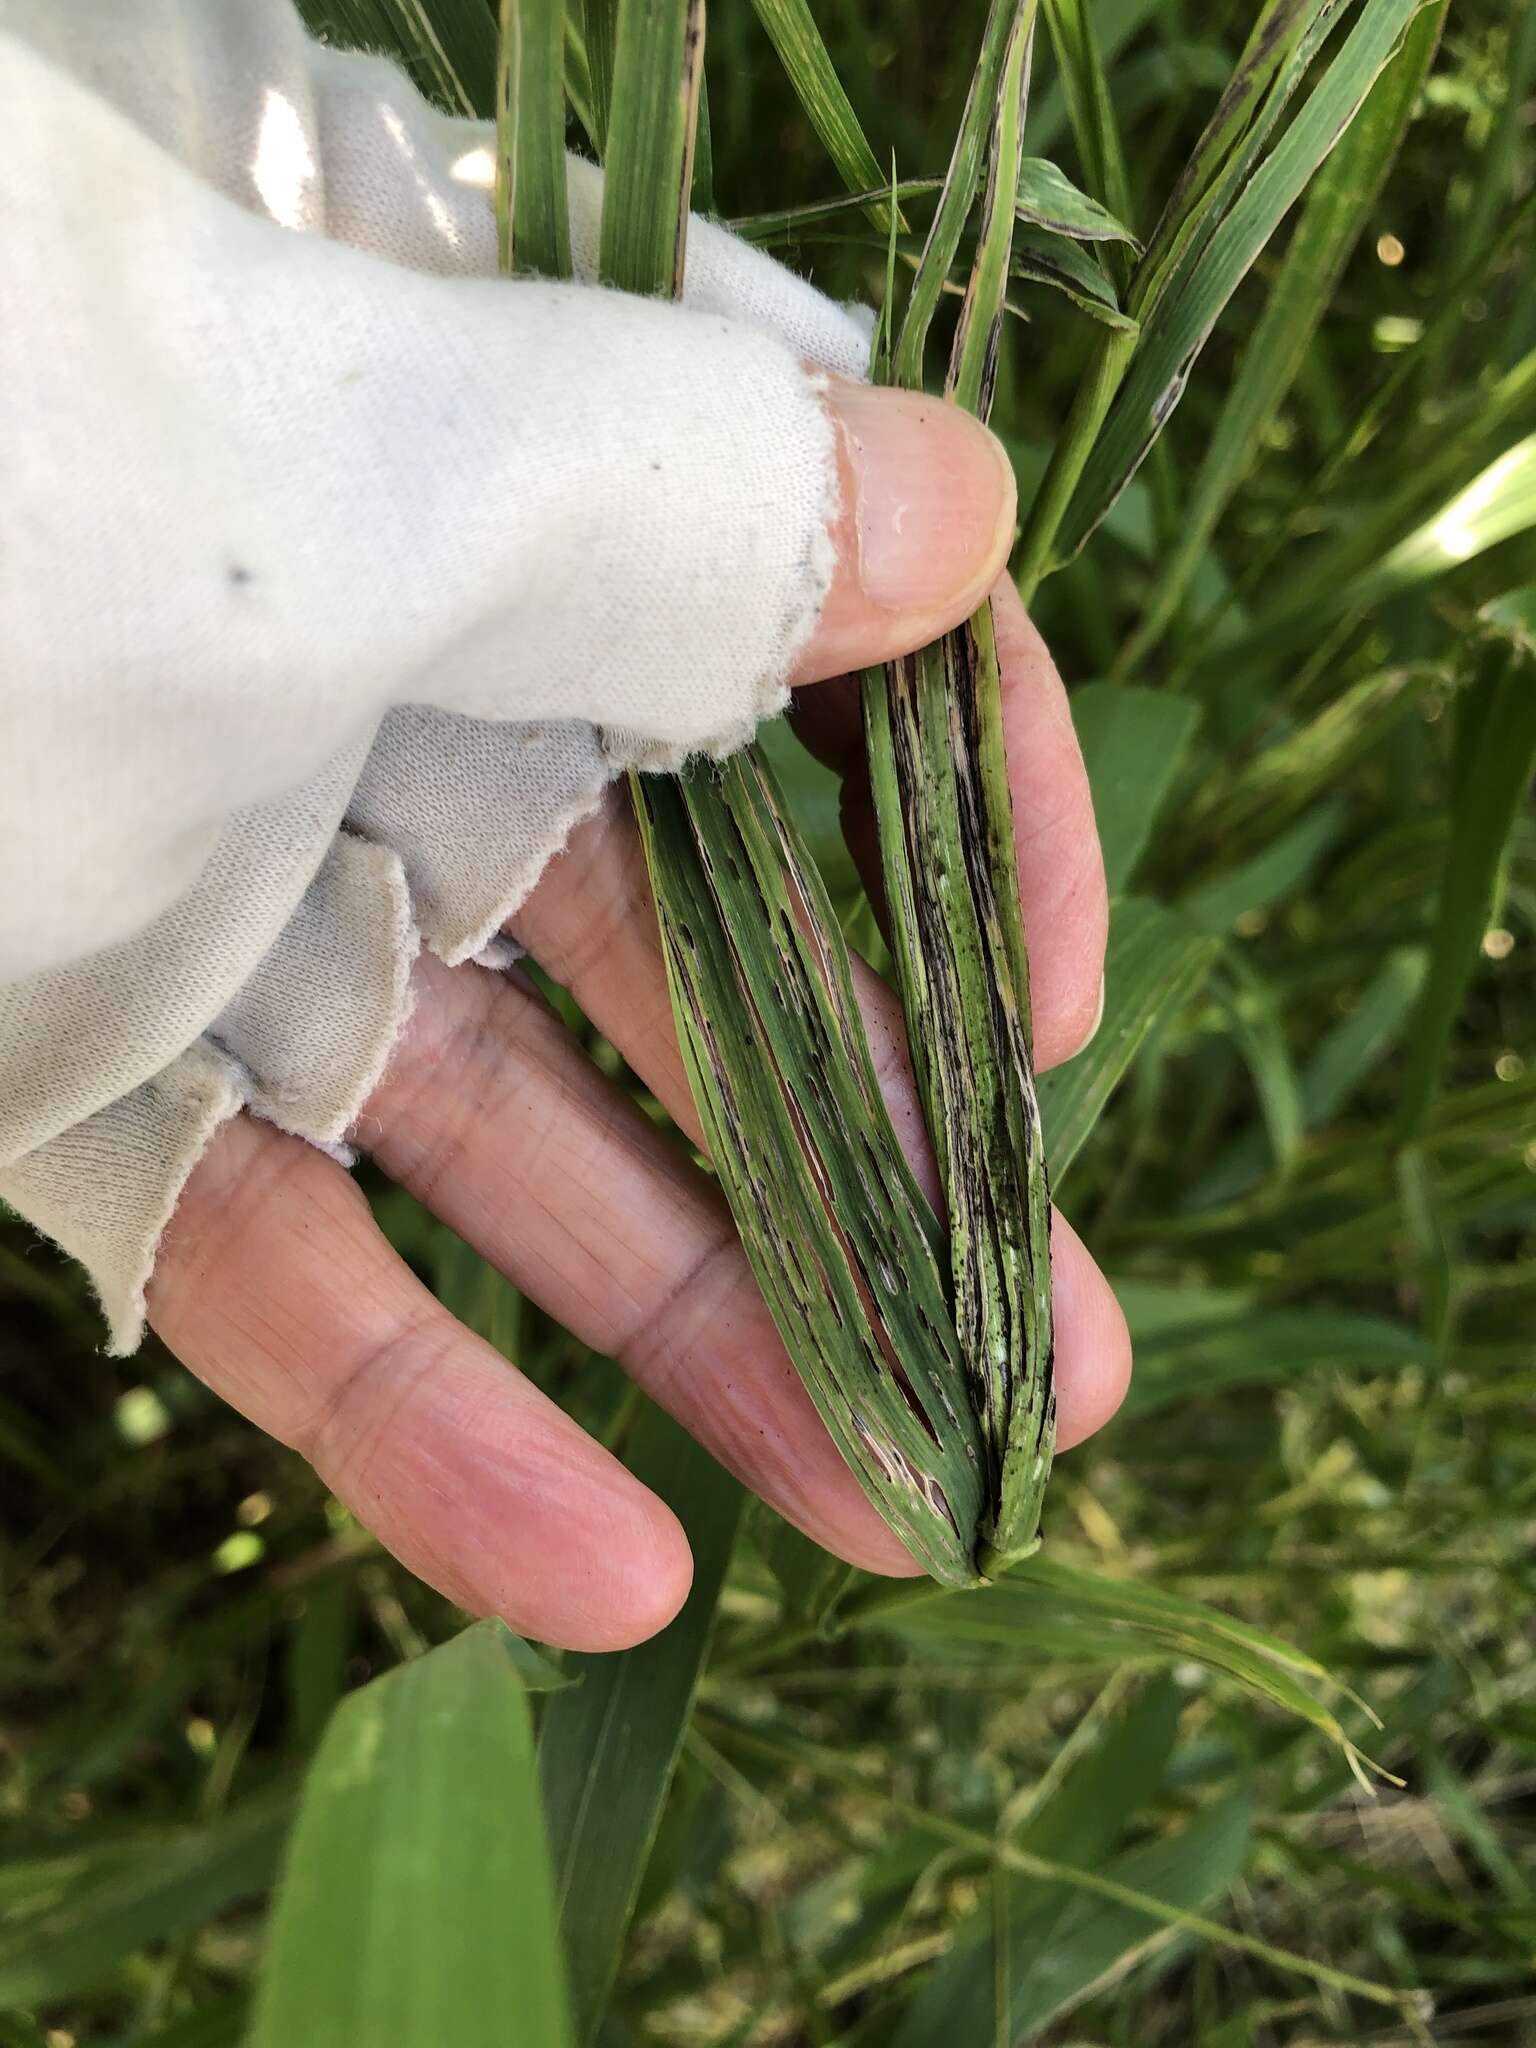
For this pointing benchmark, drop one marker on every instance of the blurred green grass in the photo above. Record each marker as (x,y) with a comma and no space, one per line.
(1332,1432)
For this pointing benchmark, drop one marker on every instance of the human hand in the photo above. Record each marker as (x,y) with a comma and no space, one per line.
(276,1287)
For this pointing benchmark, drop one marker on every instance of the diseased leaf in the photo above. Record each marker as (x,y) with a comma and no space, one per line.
(931,1371)
(938,773)
(1047,259)
(658,69)
(532,209)
(1049,199)
(1075,36)
(786,1090)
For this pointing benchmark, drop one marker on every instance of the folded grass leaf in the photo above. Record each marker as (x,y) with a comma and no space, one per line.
(938,772)
(929,1363)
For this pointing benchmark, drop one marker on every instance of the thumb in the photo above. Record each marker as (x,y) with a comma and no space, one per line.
(924,527)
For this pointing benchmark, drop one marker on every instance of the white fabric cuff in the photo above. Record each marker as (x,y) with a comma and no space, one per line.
(340,577)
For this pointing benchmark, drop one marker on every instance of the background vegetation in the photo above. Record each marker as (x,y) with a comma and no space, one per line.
(1300,645)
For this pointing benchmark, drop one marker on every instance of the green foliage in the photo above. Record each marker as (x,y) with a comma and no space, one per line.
(609,1746)
(415,1903)
(1110,1798)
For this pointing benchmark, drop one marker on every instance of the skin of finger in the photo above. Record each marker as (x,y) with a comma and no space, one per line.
(1061,869)
(275,1286)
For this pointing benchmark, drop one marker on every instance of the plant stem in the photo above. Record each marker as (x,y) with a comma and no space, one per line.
(1102,379)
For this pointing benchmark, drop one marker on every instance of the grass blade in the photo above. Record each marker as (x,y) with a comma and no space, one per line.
(803,54)
(415,1905)
(938,772)
(1042,1605)
(609,1745)
(1336,213)
(1155,962)
(1349,1051)
(1079,1821)
(532,211)
(1089,108)
(598,27)
(69,1920)
(1048,197)
(659,67)
(1190,1342)
(1134,743)
(956,196)
(787,1092)
(837,1233)
(1180,304)
(1052,260)
(448,45)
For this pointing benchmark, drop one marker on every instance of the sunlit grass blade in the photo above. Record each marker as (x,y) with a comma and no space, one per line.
(1182,300)
(1493,508)
(795,36)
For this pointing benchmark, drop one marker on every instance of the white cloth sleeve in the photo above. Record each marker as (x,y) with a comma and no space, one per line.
(337,575)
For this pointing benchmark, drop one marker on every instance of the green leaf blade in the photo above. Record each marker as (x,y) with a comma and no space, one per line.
(416,1904)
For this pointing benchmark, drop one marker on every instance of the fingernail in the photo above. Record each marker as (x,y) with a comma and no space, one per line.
(1098,1018)
(933,496)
